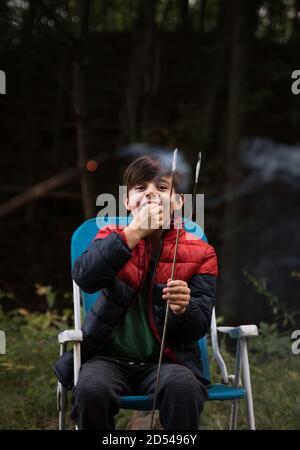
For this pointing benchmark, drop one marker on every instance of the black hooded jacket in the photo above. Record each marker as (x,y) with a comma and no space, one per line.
(109,266)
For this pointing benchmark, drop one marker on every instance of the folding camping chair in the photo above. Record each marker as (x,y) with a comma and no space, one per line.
(229,389)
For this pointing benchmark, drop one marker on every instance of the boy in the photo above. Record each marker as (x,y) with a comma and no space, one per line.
(122,333)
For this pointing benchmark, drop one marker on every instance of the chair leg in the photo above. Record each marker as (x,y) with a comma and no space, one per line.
(235,383)
(61,406)
(61,396)
(77,364)
(233,415)
(77,361)
(247,384)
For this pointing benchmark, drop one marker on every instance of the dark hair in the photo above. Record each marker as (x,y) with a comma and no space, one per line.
(148,168)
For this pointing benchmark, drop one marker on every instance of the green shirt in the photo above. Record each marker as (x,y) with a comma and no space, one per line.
(133,338)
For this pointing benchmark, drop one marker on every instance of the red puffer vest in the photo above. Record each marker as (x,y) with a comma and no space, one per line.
(193,256)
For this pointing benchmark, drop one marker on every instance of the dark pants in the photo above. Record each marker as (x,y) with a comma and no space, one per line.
(96,397)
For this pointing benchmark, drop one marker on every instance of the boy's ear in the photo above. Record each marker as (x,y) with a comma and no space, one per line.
(179,200)
(126,203)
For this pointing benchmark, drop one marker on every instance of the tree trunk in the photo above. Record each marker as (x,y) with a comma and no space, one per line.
(272,13)
(202,16)
(58,118)
(296,24)
(28,20)
(143,75)
(295,99)
(80,108)
(184,17)
(216,76)
(166,11)
(231,274)
(104,8)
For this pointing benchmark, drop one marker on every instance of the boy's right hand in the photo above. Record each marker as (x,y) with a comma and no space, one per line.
(148,219)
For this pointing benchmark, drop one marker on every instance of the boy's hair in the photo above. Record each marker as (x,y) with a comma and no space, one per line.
(148,168)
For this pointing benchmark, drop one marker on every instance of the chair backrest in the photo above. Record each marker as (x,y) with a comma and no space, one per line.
(85,234)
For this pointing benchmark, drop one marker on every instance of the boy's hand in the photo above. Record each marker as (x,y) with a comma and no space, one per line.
(148,219)
(178,294)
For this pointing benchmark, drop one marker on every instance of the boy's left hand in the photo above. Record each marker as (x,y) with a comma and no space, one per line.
(178,294)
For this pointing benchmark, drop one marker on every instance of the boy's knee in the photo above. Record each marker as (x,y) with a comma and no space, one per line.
(90,395)
(182,388)
(184,385)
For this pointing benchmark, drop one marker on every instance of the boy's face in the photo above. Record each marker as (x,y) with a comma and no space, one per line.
(155,191)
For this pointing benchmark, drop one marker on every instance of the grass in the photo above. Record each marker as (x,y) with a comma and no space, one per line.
(28,384)
(276,395)
(26,378)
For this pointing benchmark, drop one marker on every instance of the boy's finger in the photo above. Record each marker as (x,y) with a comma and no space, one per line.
(177,283)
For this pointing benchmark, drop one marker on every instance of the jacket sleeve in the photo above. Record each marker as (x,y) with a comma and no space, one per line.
(101,262)
(64,369)
(92,271)
(195,322)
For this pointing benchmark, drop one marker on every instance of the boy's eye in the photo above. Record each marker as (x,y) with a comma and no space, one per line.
(141,187)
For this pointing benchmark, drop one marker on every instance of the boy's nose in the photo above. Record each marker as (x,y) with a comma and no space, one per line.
(152,196)
(150,191)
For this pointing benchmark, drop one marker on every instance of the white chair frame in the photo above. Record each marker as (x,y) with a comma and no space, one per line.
(240,333)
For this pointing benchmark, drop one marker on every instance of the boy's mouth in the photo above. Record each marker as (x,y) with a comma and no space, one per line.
(138,203)
(151,201)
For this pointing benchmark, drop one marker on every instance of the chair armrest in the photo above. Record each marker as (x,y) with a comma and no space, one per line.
(239,332)
(70,336)
(2,343)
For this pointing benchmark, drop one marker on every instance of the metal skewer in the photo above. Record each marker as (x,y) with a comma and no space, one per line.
(197,172)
